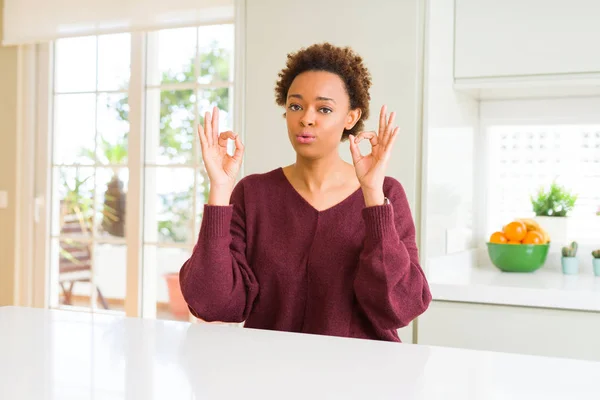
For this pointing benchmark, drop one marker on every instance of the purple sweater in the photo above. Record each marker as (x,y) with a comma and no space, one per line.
(272,260)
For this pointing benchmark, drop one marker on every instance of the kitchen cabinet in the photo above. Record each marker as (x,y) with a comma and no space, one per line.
(526,39)
(526,330)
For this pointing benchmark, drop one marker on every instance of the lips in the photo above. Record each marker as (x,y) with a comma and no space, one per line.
(305,138)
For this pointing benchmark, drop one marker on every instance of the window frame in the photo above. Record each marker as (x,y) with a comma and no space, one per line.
(534,112)
(137,303)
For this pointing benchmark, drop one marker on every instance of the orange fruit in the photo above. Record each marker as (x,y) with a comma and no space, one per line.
(498,237)
(533,237)
(515,231)
(514,242)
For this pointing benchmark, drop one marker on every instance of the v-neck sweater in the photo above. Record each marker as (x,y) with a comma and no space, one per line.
(273,261)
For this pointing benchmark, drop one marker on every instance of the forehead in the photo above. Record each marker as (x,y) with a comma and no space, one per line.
(313,84)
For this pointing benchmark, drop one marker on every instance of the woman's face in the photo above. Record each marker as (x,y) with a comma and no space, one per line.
(317,112)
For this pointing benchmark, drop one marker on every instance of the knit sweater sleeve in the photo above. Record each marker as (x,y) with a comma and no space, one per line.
(390,285)
(216,281)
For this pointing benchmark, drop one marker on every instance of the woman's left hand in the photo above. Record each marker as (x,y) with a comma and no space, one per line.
(370,169)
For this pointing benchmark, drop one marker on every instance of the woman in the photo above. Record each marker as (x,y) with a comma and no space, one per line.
(319,246)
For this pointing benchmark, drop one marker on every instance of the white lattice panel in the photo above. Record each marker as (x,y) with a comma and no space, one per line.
(523,158)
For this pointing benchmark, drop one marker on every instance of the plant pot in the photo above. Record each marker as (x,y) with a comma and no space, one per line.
(570,265)
(596,265)
(177,303)
(558,228)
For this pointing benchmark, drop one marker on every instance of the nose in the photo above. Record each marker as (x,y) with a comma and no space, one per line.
(308,118)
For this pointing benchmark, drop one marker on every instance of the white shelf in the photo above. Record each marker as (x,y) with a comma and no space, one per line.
(542,288)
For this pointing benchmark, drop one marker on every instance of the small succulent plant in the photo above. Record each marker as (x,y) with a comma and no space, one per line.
(596,253)
(570,251)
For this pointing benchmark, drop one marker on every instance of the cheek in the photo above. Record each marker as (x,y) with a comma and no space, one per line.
(336,122)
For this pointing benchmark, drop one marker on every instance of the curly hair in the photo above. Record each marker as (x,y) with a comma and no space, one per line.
(342,61)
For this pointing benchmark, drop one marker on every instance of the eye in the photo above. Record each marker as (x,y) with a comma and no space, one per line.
(325,110)
(294,107)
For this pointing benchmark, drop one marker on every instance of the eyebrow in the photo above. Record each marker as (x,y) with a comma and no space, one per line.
(318,98)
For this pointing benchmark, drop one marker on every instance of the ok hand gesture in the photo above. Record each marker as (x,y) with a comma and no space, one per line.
(370,169)
(222,168)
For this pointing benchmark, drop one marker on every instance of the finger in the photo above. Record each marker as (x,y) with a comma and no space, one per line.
(239,149)
(223,137)
(208,128)
(390,145)
(202,136)
(382,119)
(389,129)
(354,150)
(371,135)
(215,123)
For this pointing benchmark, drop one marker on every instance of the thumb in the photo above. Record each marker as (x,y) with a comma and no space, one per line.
(354,150)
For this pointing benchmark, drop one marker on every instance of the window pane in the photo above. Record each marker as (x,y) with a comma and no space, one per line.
(170,130)
(114,54)
(112,193)
(215,45)
(524,159)
(74,128)
(167,262)
(174,56)
(77,262)
(110,271)
(73,272)
(202,190)
(75,68)
(113,128)
(168,205)
(208,98)
(73,196)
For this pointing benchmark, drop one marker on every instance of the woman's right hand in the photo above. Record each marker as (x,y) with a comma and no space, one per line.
(222,168)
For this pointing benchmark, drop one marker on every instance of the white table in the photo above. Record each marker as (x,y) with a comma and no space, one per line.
(68,355)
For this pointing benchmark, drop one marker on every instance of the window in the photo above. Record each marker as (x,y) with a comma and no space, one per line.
(187,71)
(89,169)
(523,158)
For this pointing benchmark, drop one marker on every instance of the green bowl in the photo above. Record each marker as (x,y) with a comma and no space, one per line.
(518,257)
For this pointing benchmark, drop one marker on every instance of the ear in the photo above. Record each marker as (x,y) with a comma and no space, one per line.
(352,118)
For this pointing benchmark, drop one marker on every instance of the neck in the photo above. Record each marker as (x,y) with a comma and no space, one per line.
(320,174)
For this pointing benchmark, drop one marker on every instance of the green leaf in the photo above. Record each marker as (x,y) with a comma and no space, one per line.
(556,201)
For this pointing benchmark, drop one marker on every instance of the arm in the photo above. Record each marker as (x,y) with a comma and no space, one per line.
(390,285)
(216,281)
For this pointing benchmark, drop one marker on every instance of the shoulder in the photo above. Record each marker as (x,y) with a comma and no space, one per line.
(392,188)
(395,191)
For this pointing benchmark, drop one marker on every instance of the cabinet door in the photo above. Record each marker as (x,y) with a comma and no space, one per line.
(535,331)
(526,37)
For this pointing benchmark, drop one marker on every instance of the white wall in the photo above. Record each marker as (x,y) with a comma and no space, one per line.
(451,122)
(385,33)
(8,168)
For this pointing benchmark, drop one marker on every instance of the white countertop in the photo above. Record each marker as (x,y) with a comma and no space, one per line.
(542,288)
(67,355)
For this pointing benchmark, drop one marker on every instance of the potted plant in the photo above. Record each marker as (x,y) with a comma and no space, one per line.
(570,263)
(113,213)
(596,262)
(552,208)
